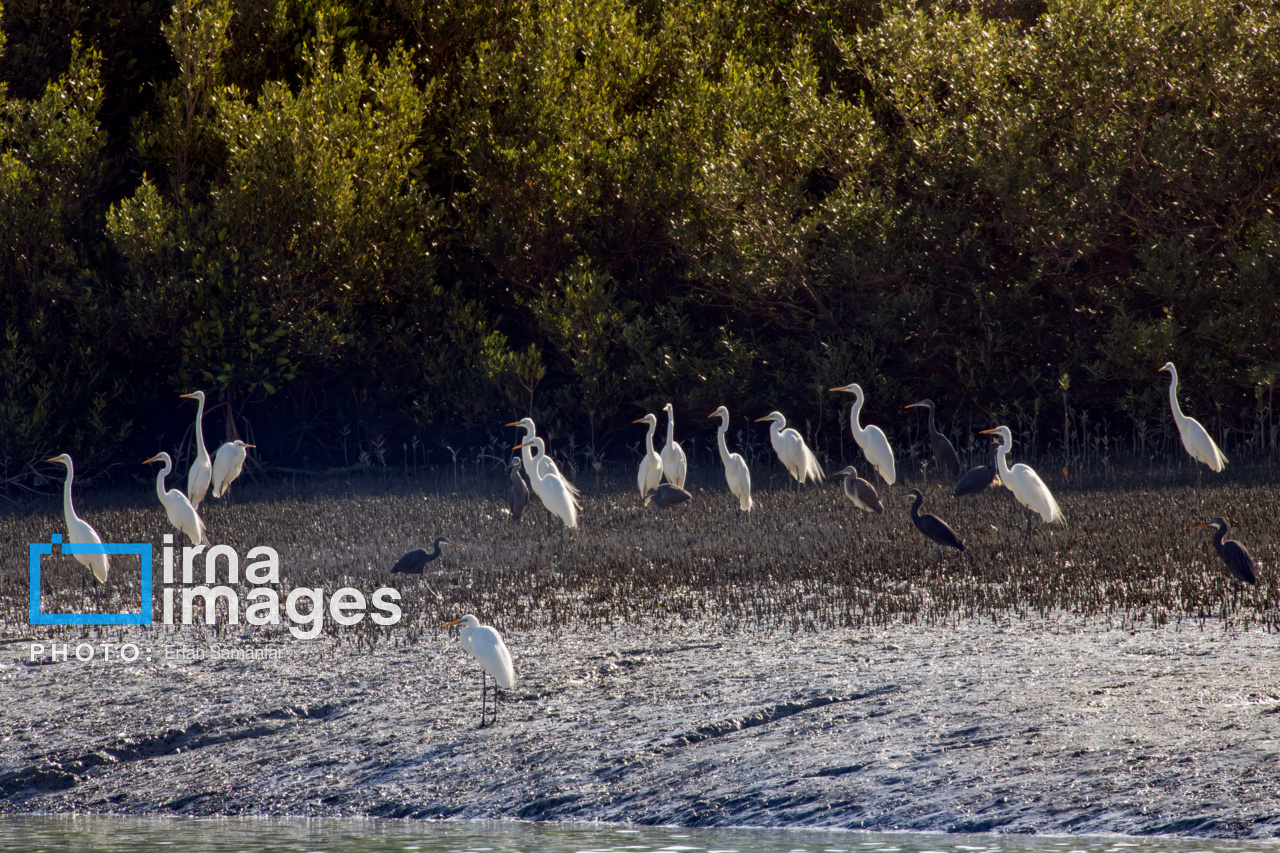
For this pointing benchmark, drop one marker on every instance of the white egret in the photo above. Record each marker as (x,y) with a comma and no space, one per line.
(792,451)
(736,473)
(872,440)
(78,530)
(201,473)
(1195,438)
(1024,482)
(674,464)
(486,646)
(182,514)
(650,474)
(227,463)
(552,489)
(544,462)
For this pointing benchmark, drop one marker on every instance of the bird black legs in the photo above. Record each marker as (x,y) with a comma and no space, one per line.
(484,696)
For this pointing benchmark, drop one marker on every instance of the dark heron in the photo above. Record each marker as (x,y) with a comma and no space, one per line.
(979,478)
(860,492)
(943,452)
(932,526)
(666,495)
(415,561)
(517,492)
(1238,561)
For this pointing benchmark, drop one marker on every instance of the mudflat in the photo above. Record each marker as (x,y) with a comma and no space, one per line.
(1038,725)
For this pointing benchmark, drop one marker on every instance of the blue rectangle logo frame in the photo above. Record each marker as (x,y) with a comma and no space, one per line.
(142,549)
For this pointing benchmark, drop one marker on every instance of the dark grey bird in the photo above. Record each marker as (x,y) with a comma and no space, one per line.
(415,561)
(942,449)
(666,495)
(979,478)
(1238,561)
(518,491)
(860,492)
(932,526)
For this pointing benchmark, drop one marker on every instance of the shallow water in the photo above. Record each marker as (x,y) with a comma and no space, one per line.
(99,834)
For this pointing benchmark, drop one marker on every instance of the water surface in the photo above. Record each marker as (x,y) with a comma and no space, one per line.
(101,834)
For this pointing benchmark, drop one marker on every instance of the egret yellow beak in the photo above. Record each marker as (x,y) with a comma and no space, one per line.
(518,446)
(765,418)
(191,395)
(988,432)
(517,423)
(639,421)
(451,624)
(152,459)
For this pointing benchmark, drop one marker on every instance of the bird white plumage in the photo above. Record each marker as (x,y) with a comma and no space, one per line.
(1195,438)
(792,451)
(227,463)
(552,489)
(872,440)
(650,474)
(736,473)
(486,646)
(545,463)
(79,532)
(1023,481)
(201,473)
(182,515)
(674,464)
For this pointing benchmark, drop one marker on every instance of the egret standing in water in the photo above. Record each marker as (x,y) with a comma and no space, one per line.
(932,526)
(1236,557)
(227,463)
(674,464)
(736,473)
(415,562)
(552,489)
(78,530)
(201,473)
(792,451)
(182,515)
(872,440)
(1195,438)
(860,493)
(650,474)
(486,646)
(943,452)
(1024,482)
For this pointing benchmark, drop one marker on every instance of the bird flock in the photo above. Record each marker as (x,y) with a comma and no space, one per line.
(661,479)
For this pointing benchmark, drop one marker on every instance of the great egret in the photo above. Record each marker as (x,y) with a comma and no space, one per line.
(943,452)
(1024,482)
(872,440)
(486,646)
(861,493)
(674,464)
(552,489)
(201,473)
(792,451)
(1238,561)
(78,530)
(666,495)
(415,562)
(227,463)
(979,478)
(650,474)
(736,473)
(182,515)
(545,463)
(1195,438)
(932,526)
(517,492)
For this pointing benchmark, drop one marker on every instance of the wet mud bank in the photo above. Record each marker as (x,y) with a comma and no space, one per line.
(1047,726)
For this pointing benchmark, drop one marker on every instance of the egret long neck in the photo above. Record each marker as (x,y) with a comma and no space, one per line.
(164,472)
(648,438)
(855,415)
(671,428)
(67,509)
(724,448)
(200,451)
(1002,462)
(1173,395)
